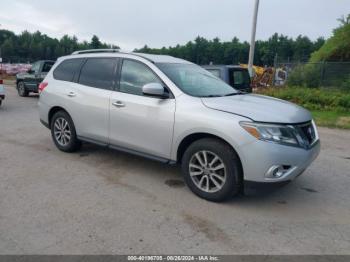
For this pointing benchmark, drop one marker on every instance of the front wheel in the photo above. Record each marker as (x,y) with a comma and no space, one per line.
(63,132)
(212,170)
(22,91)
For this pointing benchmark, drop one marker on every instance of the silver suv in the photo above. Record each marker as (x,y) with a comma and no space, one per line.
(174,111)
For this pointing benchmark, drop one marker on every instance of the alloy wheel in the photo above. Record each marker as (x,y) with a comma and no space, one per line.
(62,131)
(207,171)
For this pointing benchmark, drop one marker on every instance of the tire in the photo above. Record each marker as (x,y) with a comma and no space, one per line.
(21,89)
(63,132)
(227,165)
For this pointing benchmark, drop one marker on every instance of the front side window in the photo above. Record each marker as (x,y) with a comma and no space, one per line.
(134,75)
(98,72)
(195,81)
(67,69)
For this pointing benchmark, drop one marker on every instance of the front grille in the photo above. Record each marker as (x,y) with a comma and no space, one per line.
(307,133)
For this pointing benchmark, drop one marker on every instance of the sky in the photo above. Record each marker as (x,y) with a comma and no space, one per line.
(133,23)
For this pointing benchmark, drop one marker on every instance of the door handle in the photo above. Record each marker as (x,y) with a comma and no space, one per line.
(118,104)
(71,94)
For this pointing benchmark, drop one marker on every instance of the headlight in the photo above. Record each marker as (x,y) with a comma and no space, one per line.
(281,134)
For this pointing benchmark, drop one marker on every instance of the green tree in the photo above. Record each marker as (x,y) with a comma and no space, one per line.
(303,47)
(95,42)
(336,48)
(7,49)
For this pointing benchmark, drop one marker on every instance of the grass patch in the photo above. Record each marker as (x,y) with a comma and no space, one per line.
(329,107)
(332,119)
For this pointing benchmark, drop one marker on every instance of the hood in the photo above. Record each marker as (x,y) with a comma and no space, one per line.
(259,108)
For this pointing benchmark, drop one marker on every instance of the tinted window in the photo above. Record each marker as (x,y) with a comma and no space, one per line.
(98,72)
(215,72)
(66,70)
(47,66)
(239,78)
(134,76)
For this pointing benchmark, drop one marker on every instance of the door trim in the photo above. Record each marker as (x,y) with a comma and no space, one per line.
(126,150)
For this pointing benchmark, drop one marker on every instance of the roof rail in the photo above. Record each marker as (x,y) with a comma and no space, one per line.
(91,51)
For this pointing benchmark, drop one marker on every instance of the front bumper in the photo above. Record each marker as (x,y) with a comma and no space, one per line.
(259,157)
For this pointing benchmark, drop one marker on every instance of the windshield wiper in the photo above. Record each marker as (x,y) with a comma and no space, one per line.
(212,96)
(235,94)
(229,94)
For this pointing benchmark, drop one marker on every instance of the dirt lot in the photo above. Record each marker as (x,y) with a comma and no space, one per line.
(99,201)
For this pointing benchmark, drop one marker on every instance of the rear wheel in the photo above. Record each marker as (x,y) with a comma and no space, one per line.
(212,170)
(63,132)
(22,91)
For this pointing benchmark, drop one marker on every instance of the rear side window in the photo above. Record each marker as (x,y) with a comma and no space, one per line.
(98,72)
(239,78)
(47,66)
(67,69)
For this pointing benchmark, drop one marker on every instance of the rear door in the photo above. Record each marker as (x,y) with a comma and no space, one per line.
(86,96)
(90,98)
(138,122)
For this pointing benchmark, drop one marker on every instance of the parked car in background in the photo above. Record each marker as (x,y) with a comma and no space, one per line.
(234,75)
(174,111)
(2,91)
(29,81)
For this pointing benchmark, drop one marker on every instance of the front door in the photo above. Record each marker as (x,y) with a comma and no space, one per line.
(137,122)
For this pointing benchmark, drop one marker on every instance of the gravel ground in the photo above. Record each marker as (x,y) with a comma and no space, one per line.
(100,201)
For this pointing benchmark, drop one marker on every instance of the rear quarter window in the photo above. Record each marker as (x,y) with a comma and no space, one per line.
(67,69)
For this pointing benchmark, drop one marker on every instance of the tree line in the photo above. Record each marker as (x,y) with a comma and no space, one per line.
(202,51)
(34,46)
(28,47)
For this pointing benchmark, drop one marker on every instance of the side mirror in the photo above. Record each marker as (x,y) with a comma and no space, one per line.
(154,89)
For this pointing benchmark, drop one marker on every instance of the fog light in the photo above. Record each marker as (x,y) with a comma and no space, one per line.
(277,171)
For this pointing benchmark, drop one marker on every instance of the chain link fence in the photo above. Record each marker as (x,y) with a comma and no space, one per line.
(323,74)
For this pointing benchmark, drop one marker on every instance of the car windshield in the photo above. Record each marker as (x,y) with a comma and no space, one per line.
(196,81)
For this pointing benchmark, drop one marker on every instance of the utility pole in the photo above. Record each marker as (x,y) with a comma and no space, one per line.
(252,40)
